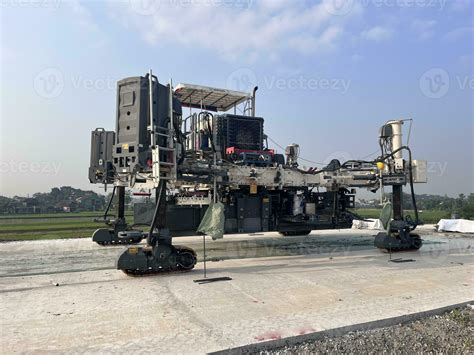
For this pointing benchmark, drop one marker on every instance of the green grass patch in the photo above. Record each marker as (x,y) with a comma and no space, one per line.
(10,228)
(38,227)
(55,215)
(81,225)
(86,233)
(429,217)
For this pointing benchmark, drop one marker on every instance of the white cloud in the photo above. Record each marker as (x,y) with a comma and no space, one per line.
(238,28)
(460,5)
(8,55)
(272,5)
(309,44)
(377,34)
(82,15)
(458,33)
(83,18)
(424,28)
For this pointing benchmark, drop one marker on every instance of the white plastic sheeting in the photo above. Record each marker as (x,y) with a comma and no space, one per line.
(456,225)
(368,223)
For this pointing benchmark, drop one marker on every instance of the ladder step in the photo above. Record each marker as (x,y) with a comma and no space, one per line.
(165,163)
(163,134)
(167,149)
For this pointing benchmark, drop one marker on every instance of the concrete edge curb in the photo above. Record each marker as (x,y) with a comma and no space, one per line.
(336,332)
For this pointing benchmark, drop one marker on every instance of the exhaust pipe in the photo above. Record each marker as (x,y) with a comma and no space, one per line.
(253,100)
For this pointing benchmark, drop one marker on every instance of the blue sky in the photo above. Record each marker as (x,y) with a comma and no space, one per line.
(330,73)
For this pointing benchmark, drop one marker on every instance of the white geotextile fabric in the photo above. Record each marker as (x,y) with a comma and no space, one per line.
(456,225)
(368,223)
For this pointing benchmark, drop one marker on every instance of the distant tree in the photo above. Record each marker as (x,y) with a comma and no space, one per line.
(467,210)
(128,198)
(8,205)
(460,201)
(54,201)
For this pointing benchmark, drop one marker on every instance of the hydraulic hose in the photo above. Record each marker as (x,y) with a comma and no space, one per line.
(157,208)
(412,189)
(209,115)
(410,170)
(110,203)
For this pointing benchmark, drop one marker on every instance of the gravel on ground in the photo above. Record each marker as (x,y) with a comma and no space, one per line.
(449,333)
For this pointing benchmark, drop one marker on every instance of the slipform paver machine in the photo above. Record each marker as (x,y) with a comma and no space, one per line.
(216,161)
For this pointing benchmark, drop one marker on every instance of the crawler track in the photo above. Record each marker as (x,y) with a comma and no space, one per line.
(119,242)
(416,244)
(186,259)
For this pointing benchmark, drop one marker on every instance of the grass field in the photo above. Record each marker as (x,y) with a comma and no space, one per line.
(82,225)
(428,217)
(50,226)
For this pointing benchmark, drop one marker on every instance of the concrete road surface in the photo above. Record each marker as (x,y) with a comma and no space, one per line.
(65,295)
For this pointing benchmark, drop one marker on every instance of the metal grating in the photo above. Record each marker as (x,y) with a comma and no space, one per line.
(242,132)
(211,99)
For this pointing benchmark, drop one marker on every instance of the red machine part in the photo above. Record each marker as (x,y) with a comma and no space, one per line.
(237,151)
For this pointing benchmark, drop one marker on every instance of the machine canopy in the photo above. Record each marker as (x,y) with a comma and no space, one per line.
(211,99)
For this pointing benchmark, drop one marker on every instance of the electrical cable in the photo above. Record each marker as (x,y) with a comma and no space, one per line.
(110,203)
(304,159)
(315,162)
(157,208)
(369,155)
(412,189)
